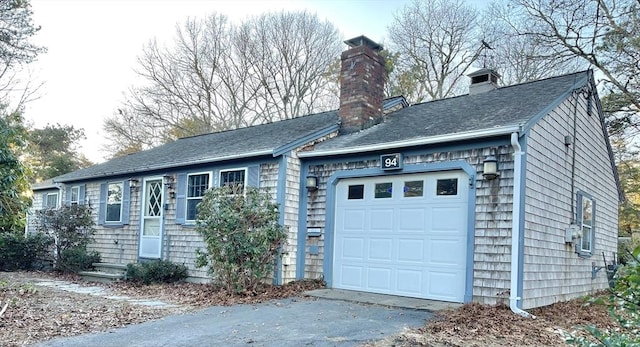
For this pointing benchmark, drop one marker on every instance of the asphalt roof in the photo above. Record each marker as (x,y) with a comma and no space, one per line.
(503,107)
(506,106)
(247,142)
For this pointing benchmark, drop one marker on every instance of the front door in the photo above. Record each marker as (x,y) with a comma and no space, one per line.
(151,228)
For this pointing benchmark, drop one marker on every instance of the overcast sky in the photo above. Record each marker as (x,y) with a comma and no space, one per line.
(93,44)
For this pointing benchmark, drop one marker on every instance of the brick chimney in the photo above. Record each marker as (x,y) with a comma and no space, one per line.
(362,76)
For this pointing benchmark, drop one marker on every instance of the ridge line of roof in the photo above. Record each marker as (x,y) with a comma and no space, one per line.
(505,87)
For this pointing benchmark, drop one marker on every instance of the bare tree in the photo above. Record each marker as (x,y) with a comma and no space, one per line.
(291,53)
(518,58)
(603,33)
(437,42)
(16,29)
(217,76)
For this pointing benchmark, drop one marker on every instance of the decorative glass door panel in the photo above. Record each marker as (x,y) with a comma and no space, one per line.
(151,233)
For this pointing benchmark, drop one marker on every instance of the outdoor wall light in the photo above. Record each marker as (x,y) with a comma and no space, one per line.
(133,184)
(168,181)
(490,168)
(312,183)
(172,194)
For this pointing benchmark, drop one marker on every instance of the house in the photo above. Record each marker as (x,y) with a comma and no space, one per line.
(503,194)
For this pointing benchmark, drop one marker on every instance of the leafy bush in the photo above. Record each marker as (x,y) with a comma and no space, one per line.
(242,235)
(624,307)
(18,252)
(77,259)
(160,271)
(72,228)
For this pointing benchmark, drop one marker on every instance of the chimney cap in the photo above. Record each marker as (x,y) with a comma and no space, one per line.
(363,41)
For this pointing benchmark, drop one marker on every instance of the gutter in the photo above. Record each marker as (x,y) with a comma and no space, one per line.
(415,142)
(514,300)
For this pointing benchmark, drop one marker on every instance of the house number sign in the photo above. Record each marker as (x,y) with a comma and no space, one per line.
(391,161)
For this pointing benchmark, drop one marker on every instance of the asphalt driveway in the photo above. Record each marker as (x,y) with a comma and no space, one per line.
(287,322)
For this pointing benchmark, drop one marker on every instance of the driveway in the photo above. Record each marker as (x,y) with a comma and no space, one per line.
(287,322)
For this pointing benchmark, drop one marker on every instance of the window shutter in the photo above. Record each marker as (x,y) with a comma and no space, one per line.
(102,209)
(126,203)
(181,198)
(254,176)
(67,198)
(82,194)
(44,201)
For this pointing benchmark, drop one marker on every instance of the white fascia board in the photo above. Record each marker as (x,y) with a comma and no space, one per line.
(415,142)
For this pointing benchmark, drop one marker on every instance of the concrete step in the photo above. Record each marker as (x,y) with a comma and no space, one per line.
(98,276)
(111,268)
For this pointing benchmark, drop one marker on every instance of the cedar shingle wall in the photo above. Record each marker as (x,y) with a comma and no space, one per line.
(291,203)
(552,270)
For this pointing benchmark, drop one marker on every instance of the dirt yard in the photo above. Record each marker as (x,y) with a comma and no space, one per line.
(33,313)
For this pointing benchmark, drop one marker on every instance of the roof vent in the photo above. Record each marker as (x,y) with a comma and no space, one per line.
(483,80)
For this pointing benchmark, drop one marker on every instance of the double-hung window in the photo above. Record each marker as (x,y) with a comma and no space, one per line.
(51,200)
(234,178)
(75,195)
(586,221)
(197,185)
(114,203)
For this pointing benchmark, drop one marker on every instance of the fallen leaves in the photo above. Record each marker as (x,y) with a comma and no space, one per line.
(481,325)
(36,313)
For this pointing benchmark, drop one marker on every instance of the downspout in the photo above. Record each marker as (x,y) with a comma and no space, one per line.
(514,299)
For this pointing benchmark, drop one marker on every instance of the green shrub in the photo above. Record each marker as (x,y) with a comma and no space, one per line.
(159,271)
(242,235)
(77,259)
(624,307)
(72,228)
(18,252)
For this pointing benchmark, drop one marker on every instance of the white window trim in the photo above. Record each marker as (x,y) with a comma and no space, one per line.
(77,189)
(186,193)
(57,200)
(246,176)
(106,209)
(581,196)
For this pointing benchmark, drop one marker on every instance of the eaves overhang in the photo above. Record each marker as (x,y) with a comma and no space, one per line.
(148,168)
(461,136)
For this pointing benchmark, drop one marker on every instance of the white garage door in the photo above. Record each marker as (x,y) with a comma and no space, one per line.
(402,235)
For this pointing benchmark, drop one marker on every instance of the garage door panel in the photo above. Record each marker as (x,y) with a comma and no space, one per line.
(409,241)
(380,249)
(353,248)
(411,250)
(409,282)
(411,219)
(446,252)
(379,278)
(381,220)
(351,276)
(354,220)
(448,219)
(445,285)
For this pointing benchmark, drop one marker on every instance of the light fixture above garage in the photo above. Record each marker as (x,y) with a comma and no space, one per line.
(490,168)
(312,183)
